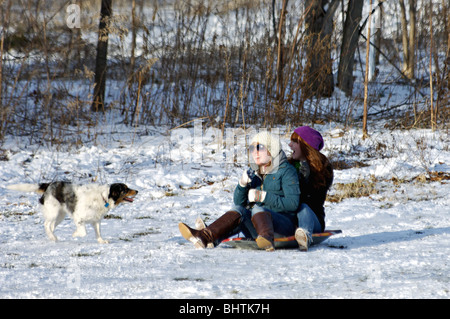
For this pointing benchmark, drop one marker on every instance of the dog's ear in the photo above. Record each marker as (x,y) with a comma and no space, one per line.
(116,190)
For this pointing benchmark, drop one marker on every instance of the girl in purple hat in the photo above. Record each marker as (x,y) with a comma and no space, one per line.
(316,176)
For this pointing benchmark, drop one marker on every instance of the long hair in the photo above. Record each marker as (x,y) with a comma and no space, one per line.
(321,171)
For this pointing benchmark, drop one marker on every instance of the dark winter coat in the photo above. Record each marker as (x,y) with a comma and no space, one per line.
(281,185)
(313,197)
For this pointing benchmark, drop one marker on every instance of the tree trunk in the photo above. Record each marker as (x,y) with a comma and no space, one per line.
(349,44)
(98,103)
(319,26)
(280,87)
(412,38)
(133,37)
(408,38)
(366,76)
(446,75)
(280,60)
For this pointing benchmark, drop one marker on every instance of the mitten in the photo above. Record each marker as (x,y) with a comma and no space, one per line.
(257,196)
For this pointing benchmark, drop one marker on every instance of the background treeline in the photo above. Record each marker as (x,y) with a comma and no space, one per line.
(230,62)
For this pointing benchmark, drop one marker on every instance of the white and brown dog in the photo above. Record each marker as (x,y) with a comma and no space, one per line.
(86,204)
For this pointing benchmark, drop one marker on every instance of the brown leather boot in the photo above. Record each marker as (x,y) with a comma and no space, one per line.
(264,227)
(206,237)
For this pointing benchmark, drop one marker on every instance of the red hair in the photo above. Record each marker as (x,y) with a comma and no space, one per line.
(321,171)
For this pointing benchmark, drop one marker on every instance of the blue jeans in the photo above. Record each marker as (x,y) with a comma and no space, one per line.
(283,224)
(308,220)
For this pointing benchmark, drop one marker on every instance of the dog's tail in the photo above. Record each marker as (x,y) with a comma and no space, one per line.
(34,188)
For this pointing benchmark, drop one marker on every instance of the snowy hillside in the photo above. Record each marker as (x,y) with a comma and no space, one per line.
(390,198)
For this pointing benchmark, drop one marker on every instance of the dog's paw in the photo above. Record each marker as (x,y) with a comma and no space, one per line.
(102,241)
(79,234)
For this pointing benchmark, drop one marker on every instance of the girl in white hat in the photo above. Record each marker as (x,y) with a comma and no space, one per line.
(266,200)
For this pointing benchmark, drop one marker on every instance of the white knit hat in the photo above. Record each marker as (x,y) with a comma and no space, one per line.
(271,141)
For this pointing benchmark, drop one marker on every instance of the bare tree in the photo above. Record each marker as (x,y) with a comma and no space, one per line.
(432,120)
(280,62)
(349,45)
(319,27)
(98,103)
(366,76)
(408,37)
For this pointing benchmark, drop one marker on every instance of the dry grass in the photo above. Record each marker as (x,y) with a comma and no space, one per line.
(359,188)
(364,187)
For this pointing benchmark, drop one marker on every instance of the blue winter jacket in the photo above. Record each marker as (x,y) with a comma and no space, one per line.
(281,185)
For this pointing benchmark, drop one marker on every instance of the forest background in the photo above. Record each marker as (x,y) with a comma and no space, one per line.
(234,63)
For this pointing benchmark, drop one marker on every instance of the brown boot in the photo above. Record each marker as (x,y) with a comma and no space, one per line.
(302,238)
(206,237)
(264,227)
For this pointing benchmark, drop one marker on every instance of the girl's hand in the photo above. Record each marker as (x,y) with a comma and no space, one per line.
(245,179)
(256,196)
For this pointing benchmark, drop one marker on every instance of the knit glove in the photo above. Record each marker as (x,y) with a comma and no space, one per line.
(257,196)
(245,179)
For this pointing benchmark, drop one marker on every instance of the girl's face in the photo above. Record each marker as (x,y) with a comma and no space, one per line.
(296,151)
(260,154)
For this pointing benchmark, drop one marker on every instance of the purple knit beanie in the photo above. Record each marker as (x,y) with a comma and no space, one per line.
(310,136)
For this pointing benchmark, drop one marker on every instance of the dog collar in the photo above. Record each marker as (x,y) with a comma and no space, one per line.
(106,203)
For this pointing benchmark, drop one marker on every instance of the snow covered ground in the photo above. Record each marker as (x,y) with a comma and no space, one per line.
(395,242)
